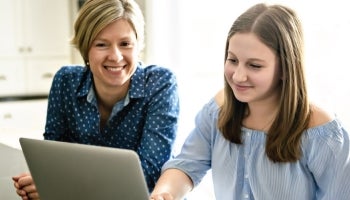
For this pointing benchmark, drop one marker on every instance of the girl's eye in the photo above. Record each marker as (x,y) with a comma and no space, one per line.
(232,60)
(255,66)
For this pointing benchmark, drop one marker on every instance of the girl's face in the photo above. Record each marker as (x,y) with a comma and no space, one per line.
(252,69)
(113,55)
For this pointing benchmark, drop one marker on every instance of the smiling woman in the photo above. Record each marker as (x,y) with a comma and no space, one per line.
(114,100)
(113,61)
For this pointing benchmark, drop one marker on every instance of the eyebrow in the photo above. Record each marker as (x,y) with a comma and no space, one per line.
(122,38)
(229,53)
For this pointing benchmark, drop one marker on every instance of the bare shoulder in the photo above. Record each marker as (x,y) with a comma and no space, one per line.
(219,97)
(319,116)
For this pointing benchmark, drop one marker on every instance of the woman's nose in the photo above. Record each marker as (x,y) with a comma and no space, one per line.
(115,54)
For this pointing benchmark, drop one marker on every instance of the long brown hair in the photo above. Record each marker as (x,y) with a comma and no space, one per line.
(279,28)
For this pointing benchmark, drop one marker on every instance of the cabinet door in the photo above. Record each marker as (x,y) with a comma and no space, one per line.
(23,117)
(12,78)
(39,75)
(35,27)
(34,44)
(11,28)
(47,27)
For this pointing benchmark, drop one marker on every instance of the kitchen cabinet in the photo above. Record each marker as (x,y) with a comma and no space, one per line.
(22,118)
(34,42)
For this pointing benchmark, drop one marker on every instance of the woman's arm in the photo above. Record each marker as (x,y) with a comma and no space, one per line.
(173,184)
(161,118)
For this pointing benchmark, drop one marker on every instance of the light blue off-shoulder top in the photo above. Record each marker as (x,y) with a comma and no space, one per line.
(245,172)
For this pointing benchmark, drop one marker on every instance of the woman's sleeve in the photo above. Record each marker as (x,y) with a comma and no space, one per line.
(159,131)
(54,126)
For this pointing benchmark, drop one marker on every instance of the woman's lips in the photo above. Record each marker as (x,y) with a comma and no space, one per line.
(114,69)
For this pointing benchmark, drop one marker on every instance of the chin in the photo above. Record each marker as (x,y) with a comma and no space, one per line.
(242,99)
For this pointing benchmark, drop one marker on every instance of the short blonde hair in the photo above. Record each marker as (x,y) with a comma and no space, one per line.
(95,15)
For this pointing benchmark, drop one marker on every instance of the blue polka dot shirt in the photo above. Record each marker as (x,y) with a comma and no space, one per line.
(144,121)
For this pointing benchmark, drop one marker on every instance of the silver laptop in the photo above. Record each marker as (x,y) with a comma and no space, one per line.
(70,171)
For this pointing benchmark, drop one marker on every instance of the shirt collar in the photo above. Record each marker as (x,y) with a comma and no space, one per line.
(136,90)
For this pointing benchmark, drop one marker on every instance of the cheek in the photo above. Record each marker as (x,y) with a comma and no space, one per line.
(91,55)
(132,55)
(96,56)
(268,81)
(228,71)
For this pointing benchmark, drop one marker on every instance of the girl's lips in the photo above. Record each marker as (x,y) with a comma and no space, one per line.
(241,87)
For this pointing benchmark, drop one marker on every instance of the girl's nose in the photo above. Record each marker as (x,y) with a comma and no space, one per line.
(240,74)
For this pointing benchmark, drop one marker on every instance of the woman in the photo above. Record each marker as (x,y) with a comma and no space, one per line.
(261,136)
(114,100)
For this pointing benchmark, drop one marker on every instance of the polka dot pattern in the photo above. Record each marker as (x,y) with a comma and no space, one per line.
(145,121)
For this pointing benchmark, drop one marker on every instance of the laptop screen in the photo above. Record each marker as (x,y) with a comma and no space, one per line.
(73,171)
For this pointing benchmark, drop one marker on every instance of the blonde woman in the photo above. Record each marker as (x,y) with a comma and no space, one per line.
(114,100)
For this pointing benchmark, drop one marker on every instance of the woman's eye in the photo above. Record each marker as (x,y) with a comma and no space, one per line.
(100,44)
(125,44)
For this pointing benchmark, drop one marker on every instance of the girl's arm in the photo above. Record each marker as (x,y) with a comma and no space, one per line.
(173,184)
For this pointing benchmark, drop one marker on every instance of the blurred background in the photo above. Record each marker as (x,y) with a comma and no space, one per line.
(187,36)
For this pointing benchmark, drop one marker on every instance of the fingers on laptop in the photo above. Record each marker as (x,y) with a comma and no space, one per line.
(161,197)
(157,198)
(25,187)
(16,178)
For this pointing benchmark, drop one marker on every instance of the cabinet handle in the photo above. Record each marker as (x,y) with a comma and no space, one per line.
(25,49)
(7,116)
(2,78)
(47,75)
(21,49)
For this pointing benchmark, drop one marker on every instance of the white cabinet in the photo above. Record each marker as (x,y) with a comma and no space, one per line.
(34,42)
(25,118)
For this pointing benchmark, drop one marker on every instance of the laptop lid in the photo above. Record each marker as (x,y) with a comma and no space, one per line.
(73,171)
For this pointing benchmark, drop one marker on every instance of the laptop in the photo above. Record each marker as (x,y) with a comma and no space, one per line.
(71,171)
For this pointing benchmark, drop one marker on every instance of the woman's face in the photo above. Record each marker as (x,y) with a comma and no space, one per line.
(113,55)
(252,69)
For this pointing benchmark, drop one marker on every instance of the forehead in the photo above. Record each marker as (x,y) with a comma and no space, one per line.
(116,29)
(250,46)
